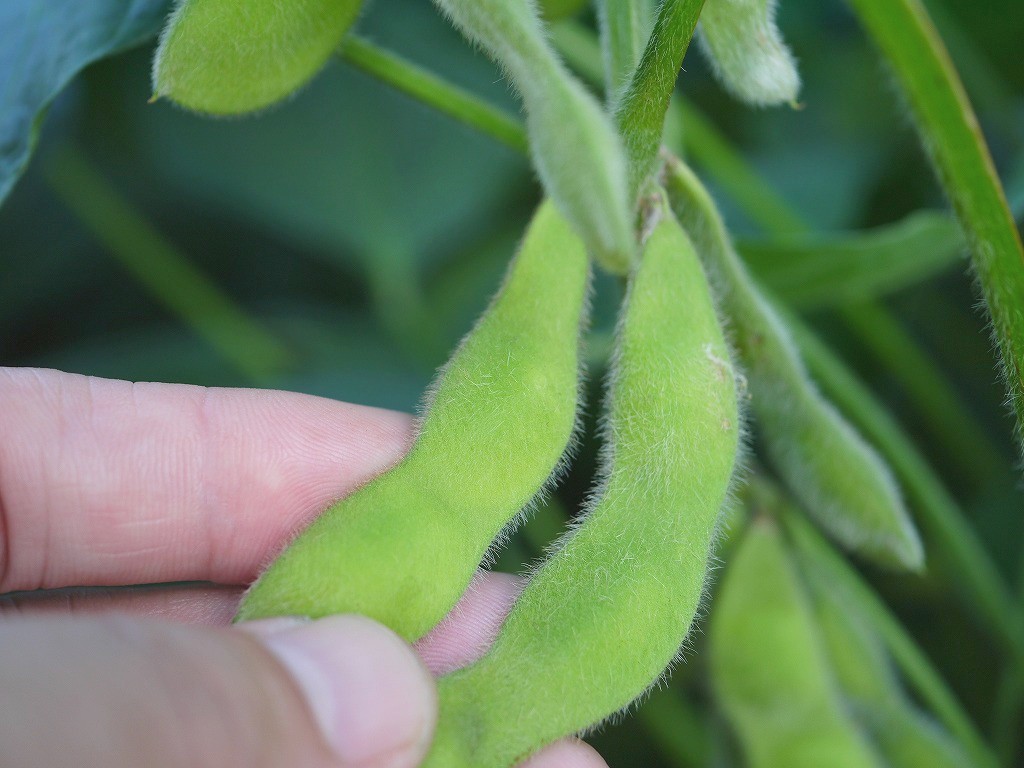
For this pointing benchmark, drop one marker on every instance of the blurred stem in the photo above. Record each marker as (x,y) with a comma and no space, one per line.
(168,275)
(435,92)
(950,133)
(620,25)
(916,667)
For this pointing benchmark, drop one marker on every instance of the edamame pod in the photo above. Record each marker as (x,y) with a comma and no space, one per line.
(403,548)
(904,735)
(575,148)
(747,52)
(226,57)
(768,668)
(603,617)
(826,464)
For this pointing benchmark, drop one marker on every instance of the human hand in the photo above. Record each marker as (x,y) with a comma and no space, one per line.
(105,484)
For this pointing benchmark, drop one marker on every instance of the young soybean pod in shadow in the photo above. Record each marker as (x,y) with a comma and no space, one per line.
(826,464)
(225,57)
(608,611)
(575,148)
(768,667)
(403,548)
(905,737)
(747,52)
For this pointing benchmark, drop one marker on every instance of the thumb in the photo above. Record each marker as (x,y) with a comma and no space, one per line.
(118,692)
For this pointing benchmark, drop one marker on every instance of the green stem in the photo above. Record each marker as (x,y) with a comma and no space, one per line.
(916,667)
(435,92)
(168,275)
(641,112)
(950,132)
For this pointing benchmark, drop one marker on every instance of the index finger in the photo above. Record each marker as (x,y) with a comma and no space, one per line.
(106,482)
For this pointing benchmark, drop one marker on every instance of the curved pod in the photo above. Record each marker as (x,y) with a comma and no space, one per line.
(403,548)
(603,617)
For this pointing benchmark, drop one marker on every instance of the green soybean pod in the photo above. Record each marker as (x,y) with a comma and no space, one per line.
(905,737)
(769,670)
(826,464)
(226,57)
(607,612)
(403,548)
(575,148)
(747,53)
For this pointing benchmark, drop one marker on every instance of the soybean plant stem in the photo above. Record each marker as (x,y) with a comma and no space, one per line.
(621,41)
(641,111)
(914,664)
(435,92)
(164,271)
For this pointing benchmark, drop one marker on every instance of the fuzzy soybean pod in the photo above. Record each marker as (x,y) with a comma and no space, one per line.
(608,611)
(826,464)
(228,57)
(575,148)
(769,669)
(905,737)
(747,52)
(403,548)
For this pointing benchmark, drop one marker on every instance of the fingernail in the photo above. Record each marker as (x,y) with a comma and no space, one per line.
(370,695)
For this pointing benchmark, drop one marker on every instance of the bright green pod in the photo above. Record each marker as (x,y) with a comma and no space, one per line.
(826,464)
(769,670)
(607,613)
(575,148)
(747,53)
(229,57)
(403,548)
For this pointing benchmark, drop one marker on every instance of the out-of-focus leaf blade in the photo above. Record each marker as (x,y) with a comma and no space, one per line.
(811,271)
(43,45)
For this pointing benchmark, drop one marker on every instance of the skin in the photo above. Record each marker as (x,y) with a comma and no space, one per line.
(769,670)
(603,617)
(227,58)
(825,463)
(109,483)
(403,548)
(747,52)
(575,149)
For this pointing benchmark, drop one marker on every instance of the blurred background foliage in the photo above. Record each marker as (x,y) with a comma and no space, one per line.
(342,243)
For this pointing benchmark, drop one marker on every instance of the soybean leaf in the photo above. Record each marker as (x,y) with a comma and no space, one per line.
(950,132)
(43,45)
(811,271)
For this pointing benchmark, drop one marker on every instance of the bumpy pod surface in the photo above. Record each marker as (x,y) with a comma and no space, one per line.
(226,57)
(575,148)
(603,617)
(747,52)
(403,548)
(826,464)
(905,737)
(768,667)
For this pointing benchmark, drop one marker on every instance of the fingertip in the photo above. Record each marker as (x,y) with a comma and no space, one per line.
(568,753)
(370,696)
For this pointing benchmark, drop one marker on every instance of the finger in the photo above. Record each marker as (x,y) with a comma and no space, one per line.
(568,753)
(107,482)
(205,604)
(341,691)
(470,628)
